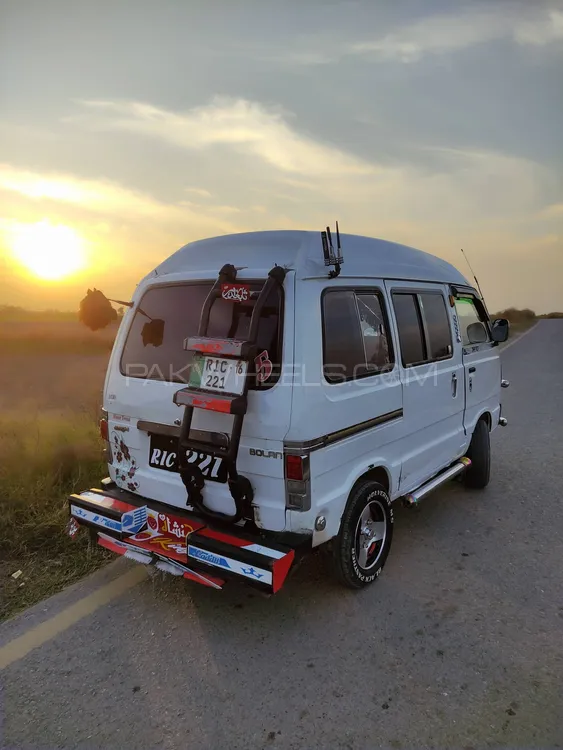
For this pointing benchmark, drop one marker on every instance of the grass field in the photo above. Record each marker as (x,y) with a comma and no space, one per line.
(51,379)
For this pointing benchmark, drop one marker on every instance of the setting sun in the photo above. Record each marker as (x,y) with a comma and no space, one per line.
(49,251)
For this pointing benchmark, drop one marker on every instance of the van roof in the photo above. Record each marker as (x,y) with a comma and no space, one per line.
(302,252)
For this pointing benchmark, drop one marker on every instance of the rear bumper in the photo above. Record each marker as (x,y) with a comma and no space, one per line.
(180,542)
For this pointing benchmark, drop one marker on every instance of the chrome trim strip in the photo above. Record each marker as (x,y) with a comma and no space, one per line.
(293,446)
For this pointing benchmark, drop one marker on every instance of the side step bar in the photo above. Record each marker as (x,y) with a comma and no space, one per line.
(413,498)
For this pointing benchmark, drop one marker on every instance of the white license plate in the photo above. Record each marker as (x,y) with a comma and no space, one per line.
(218,374)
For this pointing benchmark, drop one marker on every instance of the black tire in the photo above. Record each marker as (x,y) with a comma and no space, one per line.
(355,564)
(478,475)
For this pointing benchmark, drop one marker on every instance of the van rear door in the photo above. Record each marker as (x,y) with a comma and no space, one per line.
(145,375)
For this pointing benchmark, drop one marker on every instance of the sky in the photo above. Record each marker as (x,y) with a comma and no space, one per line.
(135,126)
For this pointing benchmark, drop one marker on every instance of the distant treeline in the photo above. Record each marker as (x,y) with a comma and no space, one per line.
(50,331)
(514,315)
(9,312)
(12,313)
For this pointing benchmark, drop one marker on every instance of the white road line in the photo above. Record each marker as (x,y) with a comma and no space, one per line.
(37,636)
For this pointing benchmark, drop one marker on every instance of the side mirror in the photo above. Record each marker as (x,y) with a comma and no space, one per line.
(477,333)
(501,329)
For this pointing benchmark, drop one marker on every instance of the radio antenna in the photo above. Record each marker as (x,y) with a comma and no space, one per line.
(331,257)
(473,273)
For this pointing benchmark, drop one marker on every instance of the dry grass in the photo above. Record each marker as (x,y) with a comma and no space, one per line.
(42,459)
(32,385)
(49,400)
(50,336)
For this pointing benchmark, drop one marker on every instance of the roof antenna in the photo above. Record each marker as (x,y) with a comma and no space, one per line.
(330,257)
(473,273)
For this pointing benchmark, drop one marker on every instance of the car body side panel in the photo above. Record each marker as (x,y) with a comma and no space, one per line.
(321,408)
(433,403)
(482,372)
(482,384)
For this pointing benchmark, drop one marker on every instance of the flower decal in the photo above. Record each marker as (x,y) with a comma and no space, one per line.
(125,465)
(125,450)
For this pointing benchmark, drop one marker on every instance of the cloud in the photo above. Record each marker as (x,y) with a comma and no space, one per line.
(456,186)
(452,32)
(245,126)
(489,202)
(541,31)
(554,211)
(457,191)
(109,199)
(200,192)
(481,199)
(434,35)
(530,25)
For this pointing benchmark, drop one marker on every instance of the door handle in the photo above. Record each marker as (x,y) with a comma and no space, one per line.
(471,369)
(454,385)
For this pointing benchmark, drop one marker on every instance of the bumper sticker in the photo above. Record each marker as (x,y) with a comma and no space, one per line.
(133,521)
(86,515)
(219,561)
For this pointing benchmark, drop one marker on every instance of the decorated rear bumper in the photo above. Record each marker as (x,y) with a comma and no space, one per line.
(179,542)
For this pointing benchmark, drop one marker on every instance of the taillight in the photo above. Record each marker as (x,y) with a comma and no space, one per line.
(297,482)
(294,468)
(104,434)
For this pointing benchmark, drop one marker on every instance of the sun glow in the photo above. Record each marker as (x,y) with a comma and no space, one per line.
(49,251)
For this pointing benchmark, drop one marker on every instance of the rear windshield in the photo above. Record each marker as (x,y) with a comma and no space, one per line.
(179,306)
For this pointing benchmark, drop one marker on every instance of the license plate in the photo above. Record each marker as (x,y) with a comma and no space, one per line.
(163,454)
(218,374)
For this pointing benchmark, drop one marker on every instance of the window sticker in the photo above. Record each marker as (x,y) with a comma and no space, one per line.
(264,366)
(236,292)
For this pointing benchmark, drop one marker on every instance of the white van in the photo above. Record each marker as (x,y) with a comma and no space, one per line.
(269,393)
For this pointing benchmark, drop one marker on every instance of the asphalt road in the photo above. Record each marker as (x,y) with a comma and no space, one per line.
(458,645)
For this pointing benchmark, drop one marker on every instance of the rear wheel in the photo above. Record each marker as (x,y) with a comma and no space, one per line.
(366,531)
(478,474)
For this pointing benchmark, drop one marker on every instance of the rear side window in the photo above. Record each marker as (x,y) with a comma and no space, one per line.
(467,314)
(424,327)
(377,348)
(179,306)
(437,325)
(409,323)
(356,338)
